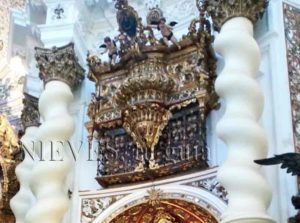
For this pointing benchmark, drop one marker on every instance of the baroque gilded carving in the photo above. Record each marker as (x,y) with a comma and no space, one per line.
(145,124)
(30,114)
(143,94)
(59,63)
(223,10)
(182,146)
(10,155)
(137,97)
(166,211)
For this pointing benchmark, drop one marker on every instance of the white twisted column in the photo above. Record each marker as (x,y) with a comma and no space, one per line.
(61,72)
(248,191)
(23,200)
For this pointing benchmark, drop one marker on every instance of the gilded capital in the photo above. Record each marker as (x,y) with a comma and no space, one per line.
(30,114)
(223,10)
(59,63)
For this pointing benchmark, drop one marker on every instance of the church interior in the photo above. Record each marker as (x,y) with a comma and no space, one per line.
(149,111)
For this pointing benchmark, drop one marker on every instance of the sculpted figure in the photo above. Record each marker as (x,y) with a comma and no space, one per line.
(166,31)
(110,47)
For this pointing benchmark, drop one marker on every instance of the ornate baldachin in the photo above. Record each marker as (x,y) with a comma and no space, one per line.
(59,63)
(145,101)
(223,10)
(30,114)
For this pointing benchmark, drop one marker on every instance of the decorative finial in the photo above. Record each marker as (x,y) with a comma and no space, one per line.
(154,196)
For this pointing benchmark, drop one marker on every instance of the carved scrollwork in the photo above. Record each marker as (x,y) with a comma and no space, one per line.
(93,207)
(212,185)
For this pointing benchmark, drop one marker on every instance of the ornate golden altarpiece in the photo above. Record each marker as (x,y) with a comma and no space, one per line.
(10,156)
(148,114)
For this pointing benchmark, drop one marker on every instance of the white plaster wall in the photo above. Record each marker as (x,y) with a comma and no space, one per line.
(277,118)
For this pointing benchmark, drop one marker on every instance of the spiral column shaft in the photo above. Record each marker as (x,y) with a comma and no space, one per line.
(60,72)
(248,191)
(23,200)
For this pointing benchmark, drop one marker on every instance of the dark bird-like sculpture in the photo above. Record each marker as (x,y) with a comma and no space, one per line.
(291,162)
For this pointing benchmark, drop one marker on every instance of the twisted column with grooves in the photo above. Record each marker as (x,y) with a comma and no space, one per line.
(60,71)
(249,194)
(248,191)
(23,200)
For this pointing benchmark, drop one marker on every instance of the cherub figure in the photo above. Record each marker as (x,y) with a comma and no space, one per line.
(110,47)
(166,31)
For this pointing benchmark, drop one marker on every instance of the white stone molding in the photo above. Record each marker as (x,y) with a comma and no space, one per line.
(196,195)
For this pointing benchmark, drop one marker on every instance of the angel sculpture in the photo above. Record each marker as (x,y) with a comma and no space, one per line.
(291,162)
(166,31)
(110,47)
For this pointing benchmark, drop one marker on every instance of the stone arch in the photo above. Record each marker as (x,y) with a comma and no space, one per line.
(210,204)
